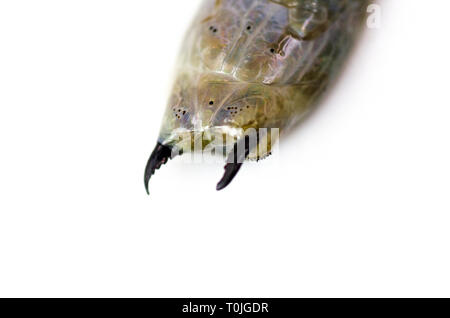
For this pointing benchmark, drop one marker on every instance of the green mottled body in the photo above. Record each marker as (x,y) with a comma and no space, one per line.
(257,63)
(250,66)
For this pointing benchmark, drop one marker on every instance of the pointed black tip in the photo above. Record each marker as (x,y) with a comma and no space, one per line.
(240,152)
(231,171)
(160,156)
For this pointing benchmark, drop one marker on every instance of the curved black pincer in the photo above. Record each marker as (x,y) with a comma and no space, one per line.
(160,156)
(235,161)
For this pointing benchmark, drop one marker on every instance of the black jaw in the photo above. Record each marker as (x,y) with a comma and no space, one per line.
(163,153)
(160,156)
(235,163)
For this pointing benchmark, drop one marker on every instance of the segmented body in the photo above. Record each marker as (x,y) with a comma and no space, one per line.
(256,64)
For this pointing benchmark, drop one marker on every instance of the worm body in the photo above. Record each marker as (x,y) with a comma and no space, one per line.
(248,65)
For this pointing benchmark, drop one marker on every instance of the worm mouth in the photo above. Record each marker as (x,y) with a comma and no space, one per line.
(162,153)
(238,150)
(242,146)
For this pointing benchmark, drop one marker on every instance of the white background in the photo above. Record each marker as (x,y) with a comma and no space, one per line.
(358,204)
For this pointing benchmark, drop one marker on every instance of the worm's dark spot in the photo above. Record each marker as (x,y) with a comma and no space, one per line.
(211,102)
(272,50)
(249,27)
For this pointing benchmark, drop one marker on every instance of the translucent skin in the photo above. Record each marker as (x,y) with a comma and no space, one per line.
(257,64)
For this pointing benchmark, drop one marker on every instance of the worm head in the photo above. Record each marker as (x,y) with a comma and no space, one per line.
(215,113)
